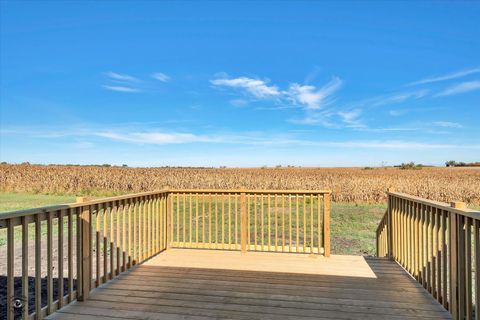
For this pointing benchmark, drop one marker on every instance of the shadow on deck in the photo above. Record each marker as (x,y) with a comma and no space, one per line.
(204,284)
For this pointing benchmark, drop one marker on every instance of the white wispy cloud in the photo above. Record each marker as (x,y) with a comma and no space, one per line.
(312,97)
(449,76)
(258,88)
(460,88)
(121,82)
(161,77)
(155,137)
(121,77)
(398,97)
(399,144)
(165,137)
(447,124)
(315,118)
(351,118)
(312,100)
(121,88)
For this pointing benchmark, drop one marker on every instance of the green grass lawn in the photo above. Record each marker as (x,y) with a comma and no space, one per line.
(352,226)
(17,201)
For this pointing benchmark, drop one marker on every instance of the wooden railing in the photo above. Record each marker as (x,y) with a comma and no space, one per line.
(439,245)
(251,220)
(77,247)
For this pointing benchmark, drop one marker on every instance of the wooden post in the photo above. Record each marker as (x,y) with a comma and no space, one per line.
(168,236)
(454,260)
(390,225)
(326,225)
(85,250)
(243,221)
(458,205)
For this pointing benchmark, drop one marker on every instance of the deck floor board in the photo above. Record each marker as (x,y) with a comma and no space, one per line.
(208,284)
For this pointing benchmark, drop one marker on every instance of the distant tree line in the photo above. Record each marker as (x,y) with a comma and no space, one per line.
(410,166)
(453,163)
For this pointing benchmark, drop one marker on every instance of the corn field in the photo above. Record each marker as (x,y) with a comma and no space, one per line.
(356,185)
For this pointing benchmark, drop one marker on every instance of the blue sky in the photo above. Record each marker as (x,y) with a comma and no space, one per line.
(239,84)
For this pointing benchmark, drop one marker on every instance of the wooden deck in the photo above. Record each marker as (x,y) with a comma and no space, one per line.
(205,284)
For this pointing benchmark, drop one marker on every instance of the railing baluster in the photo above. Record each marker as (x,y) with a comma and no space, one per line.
(70,255)
(326,224)
(428,249)
(297,222)
(255,221)
(229,221)
(153,250)
(311,224)
(304,223)
(283,222)
(113,211)
(97,245)
(25,256)
(290,223)
(434,251)
(38,267)
(148,228)
(60,259)
(269,222)
(184,226)
(170,227)
(319,223)
(129,242)
(203,219)
(209,197)
(243,222)
(106,210)
(461,266)
(49,263)
(216,220)
(477,267)
(445,266)
(10,270)
(468,268)
(190,217)
(438,249)
(248,220)
(124,235)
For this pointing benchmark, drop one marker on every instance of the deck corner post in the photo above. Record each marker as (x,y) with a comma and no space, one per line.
(243,221)
(168,220)
(326,225)
(390,224)
(85,250)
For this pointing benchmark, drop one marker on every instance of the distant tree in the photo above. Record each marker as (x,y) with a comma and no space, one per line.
(124,165)
(410,166)
(450,163)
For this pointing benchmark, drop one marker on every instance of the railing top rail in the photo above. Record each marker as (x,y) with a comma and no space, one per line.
(437,204)
(256,191)
(33,211)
